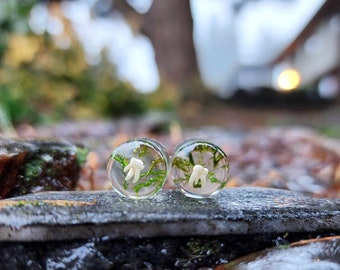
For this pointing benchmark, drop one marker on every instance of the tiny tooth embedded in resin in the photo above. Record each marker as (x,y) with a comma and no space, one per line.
(138,168)
(199,168)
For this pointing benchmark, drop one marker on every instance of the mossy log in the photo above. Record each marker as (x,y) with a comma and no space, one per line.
(29,166)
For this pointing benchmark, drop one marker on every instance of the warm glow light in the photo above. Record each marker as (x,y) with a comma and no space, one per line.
(288,80)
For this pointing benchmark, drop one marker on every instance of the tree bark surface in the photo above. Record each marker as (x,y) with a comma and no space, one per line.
(169,26)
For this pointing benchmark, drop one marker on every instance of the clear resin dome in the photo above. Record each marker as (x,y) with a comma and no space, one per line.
(199,168)
(138,168)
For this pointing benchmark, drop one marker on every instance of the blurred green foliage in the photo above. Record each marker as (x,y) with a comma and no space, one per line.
(41,82)
(330,131)
(12,16)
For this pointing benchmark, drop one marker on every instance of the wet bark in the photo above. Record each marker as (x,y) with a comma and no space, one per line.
(102,230)
(38,165)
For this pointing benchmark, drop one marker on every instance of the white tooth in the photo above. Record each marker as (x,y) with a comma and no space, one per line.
(134,168)
(198,172)
(129,174)
(128,167)
(204,177)
(136,178)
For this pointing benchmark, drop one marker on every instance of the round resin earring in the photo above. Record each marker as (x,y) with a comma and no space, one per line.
(138,168)
(199,168)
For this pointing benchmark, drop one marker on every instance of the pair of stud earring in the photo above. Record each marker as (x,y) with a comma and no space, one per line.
(139,168)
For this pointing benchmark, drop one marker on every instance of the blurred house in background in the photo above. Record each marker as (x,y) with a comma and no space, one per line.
(299,50)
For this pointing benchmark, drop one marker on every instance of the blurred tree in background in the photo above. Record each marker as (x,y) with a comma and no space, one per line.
(169,26)
(40,81)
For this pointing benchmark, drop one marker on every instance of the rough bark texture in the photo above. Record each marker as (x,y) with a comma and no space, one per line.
(235,211)
(101,230)
(32,166)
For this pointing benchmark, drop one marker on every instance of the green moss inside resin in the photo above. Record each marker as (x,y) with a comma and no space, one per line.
(151,176)
(197,157)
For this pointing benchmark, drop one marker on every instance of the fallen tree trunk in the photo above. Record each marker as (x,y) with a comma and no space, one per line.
(38,165)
